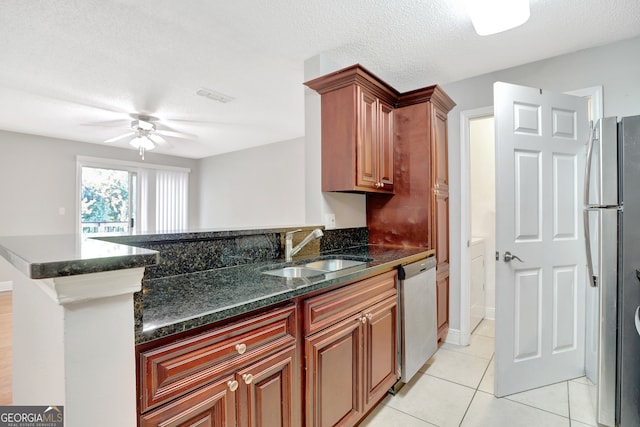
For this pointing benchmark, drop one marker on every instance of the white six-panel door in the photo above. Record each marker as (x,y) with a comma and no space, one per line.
(540,140)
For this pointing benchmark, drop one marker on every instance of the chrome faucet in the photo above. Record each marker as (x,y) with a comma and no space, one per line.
(289,250)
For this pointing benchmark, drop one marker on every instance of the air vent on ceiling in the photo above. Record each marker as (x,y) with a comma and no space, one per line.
(216,96)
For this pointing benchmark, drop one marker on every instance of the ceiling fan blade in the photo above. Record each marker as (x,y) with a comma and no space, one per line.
(117,138)
(109,123)
(157,139)
(174,134)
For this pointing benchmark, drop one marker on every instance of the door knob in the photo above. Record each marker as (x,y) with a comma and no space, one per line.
(508,256)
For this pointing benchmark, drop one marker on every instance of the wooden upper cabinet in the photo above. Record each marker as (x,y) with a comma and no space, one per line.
(357,131)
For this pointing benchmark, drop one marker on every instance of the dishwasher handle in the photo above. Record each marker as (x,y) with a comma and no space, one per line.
(402,273)
(415,268)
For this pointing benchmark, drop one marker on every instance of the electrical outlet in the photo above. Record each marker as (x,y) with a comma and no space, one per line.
(329,221)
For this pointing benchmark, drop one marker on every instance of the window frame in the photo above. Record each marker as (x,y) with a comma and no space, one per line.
(139,169)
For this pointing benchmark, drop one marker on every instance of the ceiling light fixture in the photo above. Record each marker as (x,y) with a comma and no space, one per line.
(142,142)
(495,16)
(213,95)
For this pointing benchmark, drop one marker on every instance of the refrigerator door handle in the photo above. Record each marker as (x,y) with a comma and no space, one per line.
(587,188)
(587,167)
(587,244)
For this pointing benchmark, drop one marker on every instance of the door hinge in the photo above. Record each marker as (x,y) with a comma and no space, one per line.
(497,256)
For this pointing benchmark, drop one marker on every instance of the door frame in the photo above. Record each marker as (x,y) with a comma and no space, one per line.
(465,218)
(597,110)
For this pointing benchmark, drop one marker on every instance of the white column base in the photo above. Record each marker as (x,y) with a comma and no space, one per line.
(74,345)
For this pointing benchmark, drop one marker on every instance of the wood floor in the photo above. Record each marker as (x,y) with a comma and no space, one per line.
(5,348)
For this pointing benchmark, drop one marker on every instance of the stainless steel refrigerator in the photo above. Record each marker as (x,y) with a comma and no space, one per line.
(612,236)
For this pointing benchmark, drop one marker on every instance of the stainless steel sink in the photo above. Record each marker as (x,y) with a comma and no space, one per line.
(316,268)
(333,264)
(295,271)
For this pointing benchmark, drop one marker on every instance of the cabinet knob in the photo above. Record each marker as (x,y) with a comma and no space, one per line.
(368,316)
(233,385)
(247,378)
(363,319)
(381,184)
(241,348)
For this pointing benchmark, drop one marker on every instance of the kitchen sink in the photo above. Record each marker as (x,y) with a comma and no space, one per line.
(333,264)
(316,268)
(295,272)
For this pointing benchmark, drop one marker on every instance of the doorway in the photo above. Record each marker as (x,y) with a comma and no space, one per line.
(595,108)
(482,216)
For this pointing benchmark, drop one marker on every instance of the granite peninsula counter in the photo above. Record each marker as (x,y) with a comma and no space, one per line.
(180,302)
(93,302)
(49,256)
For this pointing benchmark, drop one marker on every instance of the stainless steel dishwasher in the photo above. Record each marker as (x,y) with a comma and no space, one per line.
(418,335)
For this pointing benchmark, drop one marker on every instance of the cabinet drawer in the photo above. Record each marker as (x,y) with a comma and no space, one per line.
(177,368)
(330,308)
(213,405)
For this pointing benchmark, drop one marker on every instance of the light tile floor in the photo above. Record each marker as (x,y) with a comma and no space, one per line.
(455,388)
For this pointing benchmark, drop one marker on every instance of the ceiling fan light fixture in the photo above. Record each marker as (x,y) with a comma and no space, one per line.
(142,142)
(495,16)
(143,124)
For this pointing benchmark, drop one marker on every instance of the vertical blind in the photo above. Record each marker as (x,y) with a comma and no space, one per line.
(172,192)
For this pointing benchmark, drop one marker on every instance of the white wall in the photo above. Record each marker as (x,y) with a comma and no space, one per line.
(483,198)
(38,177)
(616,67)
(261,186)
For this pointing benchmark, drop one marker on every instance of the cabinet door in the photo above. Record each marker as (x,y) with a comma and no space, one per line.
(367,144)
(269,395)
(440,215)
(380,355)
(210,406)
(385,146)
(334,375)
(442,297)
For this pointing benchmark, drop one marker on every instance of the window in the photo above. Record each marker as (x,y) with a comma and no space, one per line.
(105,200)
(127,197)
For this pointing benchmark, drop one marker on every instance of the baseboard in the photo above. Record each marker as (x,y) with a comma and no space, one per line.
(453,337)
(490,313)
(6,286)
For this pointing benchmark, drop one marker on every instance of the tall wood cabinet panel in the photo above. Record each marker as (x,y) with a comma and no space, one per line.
(418,213)
(357,121)
(440,214)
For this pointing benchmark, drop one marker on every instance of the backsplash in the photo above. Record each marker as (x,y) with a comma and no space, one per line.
(337,239)
(182,253)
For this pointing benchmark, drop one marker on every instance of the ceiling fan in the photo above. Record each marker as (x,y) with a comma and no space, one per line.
(146,135)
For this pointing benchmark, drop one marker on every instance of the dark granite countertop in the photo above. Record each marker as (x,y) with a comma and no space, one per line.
(49,256)
(178,303)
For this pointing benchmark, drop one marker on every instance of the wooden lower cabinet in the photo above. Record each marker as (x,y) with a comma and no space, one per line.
(351,364)
(244,374)
(248,374)
(380,355)
(268,393)
(211,406)
(334,374)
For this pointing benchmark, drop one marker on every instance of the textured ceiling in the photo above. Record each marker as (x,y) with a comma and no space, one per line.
(77,69)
